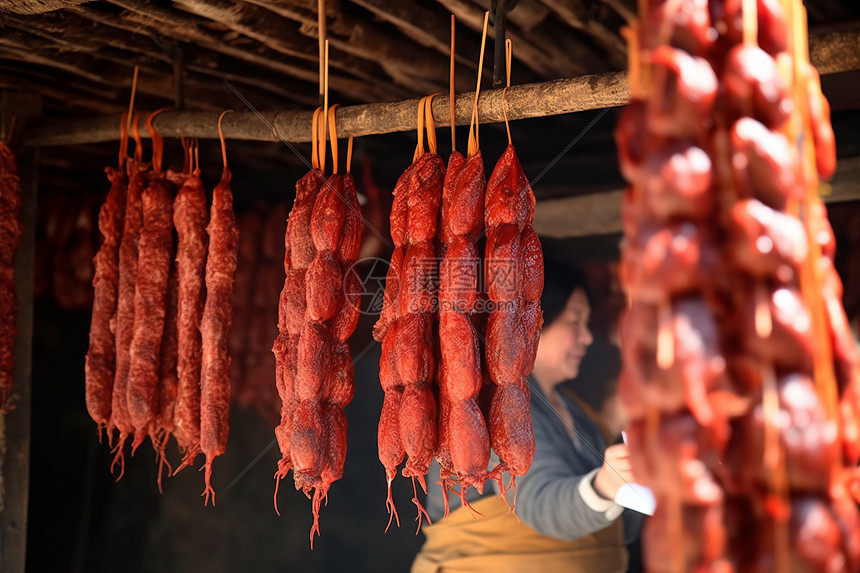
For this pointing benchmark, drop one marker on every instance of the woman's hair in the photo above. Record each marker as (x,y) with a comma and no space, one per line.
(598,374)
(560,280)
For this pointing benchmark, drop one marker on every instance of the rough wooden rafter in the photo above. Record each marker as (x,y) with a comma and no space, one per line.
(621,9)
(423,69)
(575,16)
(280,34)
(45,76)
(74,98)
(528,14)
(185,27)
(116,71)
(548,59)
(835,51)
(30,7)
(425,27)
(83,29)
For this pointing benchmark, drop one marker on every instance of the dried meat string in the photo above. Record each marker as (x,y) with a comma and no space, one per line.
(190,217)
(128,259)
(514,278)
(407,324)
(299,254)
(767,334)
(155,260)
(216,321)
(100,364)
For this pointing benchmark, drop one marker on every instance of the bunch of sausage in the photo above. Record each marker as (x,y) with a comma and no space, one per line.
(67,239)
(318,310)
(450,339)
(158,361)
(740,372)
(259,279)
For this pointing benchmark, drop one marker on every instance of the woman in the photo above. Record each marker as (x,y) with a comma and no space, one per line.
(568,520)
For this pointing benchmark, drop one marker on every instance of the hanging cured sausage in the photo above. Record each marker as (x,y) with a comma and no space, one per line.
(514,279)
(727,257)
(316,379)
(190,217)
(216,321)
(100,365)
(138,178)
(464,443)
(155,260)
(407,324)
(299,254)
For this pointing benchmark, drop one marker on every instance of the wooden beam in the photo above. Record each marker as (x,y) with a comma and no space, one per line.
(426,27)
(95,97)
(600,213)
(277,33)
(187,28)
(76,34)
(16,424)
(835,51)
(205,61)
(70,97)
(579,216)
(16,45)
(527,14)
(619,6)
(575,15)
(548,59)
(525,101)
(30,7)
(845,185)
(82,30)
(363,39)
(111,69)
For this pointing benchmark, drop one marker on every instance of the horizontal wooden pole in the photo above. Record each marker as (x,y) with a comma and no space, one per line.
(600,213)
(524,101)
(831,53)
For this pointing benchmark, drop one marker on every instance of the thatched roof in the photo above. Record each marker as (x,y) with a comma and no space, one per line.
(79,54)
(380,51)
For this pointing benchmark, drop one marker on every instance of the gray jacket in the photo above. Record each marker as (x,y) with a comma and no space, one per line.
(555,497)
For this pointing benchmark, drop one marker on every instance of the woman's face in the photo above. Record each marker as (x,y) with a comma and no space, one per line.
(563,343)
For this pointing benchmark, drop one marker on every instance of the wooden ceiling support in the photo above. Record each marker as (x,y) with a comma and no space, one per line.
(524,101)
(565,218)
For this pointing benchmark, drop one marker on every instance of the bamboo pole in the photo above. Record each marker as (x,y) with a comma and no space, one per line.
(524,101)
(830,53)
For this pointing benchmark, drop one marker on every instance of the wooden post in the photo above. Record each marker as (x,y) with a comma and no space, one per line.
(499,21)
(15,426)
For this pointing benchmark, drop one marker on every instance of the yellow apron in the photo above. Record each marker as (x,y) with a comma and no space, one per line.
(465,542)
(499,542)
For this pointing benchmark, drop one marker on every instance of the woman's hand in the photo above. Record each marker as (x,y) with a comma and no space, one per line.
(615,472)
